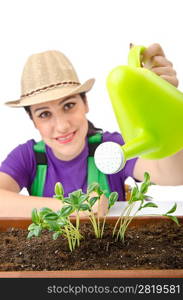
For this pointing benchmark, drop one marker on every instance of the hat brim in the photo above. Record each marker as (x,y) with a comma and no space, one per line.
(52,94)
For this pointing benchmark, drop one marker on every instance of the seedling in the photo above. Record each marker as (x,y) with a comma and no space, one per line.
(60,224)
(137,195)
(98,226)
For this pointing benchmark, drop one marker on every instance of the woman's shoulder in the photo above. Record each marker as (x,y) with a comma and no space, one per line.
(24,147)
(113,137)
(20,163)
(23,151)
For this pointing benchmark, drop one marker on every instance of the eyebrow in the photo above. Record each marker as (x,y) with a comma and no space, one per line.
(47,107)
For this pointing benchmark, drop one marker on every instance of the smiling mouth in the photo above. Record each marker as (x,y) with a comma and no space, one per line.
(66,139)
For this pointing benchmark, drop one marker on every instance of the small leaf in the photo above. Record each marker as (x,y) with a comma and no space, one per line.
(149,204)
(113,197)
(136,198)
(144,188)
(32,226)
(53,225)
(30,235)
(59,189)
(146,177)
(56,235)
(93,200)
(84,197)
(148,198)
(62,222)
(44,211)
(173,218)
(51,216)
(92,187)
(35,216)
(173,209)
(67,200)
(74,199)
(134,192)
(100,192)
(84,207)
(37,231)
(77,193)
(66,211)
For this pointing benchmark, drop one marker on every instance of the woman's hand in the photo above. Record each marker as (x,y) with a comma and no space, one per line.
(154,59)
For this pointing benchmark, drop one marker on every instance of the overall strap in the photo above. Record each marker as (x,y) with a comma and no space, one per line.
(94,174)
(37,187)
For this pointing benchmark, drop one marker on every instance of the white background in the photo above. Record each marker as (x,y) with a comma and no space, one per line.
(95,35)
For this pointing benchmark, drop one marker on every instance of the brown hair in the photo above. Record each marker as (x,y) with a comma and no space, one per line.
(92,130)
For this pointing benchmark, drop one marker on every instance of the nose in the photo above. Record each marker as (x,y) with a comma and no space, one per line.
(62,124)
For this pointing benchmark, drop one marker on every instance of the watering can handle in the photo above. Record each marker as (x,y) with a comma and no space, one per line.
(135,56)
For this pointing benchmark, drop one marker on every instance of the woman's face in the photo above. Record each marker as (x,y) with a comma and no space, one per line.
(63,125)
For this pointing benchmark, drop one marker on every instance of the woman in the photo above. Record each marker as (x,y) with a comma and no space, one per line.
(56,102)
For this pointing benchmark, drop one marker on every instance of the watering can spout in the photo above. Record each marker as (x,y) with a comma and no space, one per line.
(111,157)
(140,145)
(149,112)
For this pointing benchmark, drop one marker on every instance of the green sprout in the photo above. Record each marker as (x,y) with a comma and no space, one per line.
(60,222)
(137,195)
(76,203)
(96,222)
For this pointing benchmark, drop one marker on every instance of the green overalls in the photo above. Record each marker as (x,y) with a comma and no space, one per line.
(94,175)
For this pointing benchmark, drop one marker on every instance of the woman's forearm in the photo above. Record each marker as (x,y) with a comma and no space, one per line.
(16,205)
(171,169)
(166,171)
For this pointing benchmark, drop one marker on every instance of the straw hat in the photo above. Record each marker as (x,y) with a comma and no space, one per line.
(48,76)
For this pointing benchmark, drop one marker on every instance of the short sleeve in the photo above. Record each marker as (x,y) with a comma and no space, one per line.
(20,164)
(129,167)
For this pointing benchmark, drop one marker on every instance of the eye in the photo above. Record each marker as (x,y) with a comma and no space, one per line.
(69,105)
(44,115)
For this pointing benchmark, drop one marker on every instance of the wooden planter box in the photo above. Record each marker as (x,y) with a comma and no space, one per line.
(6,223)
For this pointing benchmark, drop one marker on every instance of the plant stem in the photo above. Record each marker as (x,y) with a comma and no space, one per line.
(94,224)
(126,221)
(98,218)
(123,222)
(77,227)
(68,238)
(122,214)
(103,224)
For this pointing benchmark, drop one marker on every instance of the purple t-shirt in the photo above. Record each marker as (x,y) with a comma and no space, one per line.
(21,165)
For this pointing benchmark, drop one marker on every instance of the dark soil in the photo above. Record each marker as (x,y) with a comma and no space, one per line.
(149,247)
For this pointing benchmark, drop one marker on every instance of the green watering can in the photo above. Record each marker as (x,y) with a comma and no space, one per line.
(149,112)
